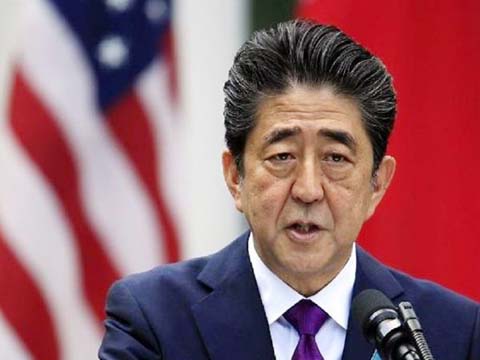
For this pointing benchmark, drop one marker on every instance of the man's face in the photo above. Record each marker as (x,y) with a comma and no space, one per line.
(307,186)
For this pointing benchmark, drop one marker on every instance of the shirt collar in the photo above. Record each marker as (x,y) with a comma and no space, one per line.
(277,297)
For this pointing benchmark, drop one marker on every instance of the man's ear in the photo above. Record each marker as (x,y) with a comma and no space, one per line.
(380,182)
(232,178)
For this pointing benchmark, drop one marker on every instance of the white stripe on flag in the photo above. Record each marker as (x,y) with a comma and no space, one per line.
(37,233)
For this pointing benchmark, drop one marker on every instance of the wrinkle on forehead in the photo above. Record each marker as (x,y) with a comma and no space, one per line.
(301,103)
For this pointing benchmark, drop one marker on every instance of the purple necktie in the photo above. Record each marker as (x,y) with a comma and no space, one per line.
(307,318)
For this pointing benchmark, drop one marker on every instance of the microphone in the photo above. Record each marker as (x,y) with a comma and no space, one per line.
(382,326)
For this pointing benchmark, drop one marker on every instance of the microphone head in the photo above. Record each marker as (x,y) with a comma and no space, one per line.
(382,326)
(367,303)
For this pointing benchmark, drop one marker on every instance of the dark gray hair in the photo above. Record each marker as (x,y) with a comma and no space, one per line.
(306,53)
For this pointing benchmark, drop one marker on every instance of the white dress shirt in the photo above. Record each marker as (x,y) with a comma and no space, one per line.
(277,297)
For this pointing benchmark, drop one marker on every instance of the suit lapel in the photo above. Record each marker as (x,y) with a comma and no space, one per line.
(370,274)
(231,319)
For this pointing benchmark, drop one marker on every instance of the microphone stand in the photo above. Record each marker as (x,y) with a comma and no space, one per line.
(412,324)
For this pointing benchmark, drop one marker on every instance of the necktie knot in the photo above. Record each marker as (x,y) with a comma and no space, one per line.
(306,317)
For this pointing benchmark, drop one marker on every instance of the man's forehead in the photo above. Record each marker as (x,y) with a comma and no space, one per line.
(303,102)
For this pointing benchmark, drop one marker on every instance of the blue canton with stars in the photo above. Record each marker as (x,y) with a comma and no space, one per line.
(120,38)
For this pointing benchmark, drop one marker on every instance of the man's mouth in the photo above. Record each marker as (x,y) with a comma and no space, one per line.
(304,228)
(303,232)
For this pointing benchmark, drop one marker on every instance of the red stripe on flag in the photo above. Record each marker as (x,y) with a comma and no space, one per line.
(45,144)
(130,124)
(24,307)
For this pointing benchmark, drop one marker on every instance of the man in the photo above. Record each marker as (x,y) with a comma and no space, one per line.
(308,113)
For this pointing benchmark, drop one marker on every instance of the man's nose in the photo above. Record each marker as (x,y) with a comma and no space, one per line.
(308,186)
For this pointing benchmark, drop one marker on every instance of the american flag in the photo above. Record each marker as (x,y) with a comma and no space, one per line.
(88,169)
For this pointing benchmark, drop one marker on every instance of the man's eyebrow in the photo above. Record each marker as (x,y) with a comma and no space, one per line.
(281,134)
(340,136)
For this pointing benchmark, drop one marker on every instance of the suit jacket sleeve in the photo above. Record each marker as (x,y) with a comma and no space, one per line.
(128,334)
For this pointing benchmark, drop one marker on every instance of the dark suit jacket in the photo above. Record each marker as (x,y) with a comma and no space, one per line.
(210,308)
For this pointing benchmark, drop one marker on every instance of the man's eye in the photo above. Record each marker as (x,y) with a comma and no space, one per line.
(337,158)
(282,157)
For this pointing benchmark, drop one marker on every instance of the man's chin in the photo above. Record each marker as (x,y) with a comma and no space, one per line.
(305,268)
(306,279)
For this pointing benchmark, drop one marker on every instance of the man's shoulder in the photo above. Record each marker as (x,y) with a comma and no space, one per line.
(443,313)
(187,278)
(432,301)
(447,317)
(161,275)
(432,292)
(419,288)
(437,304)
